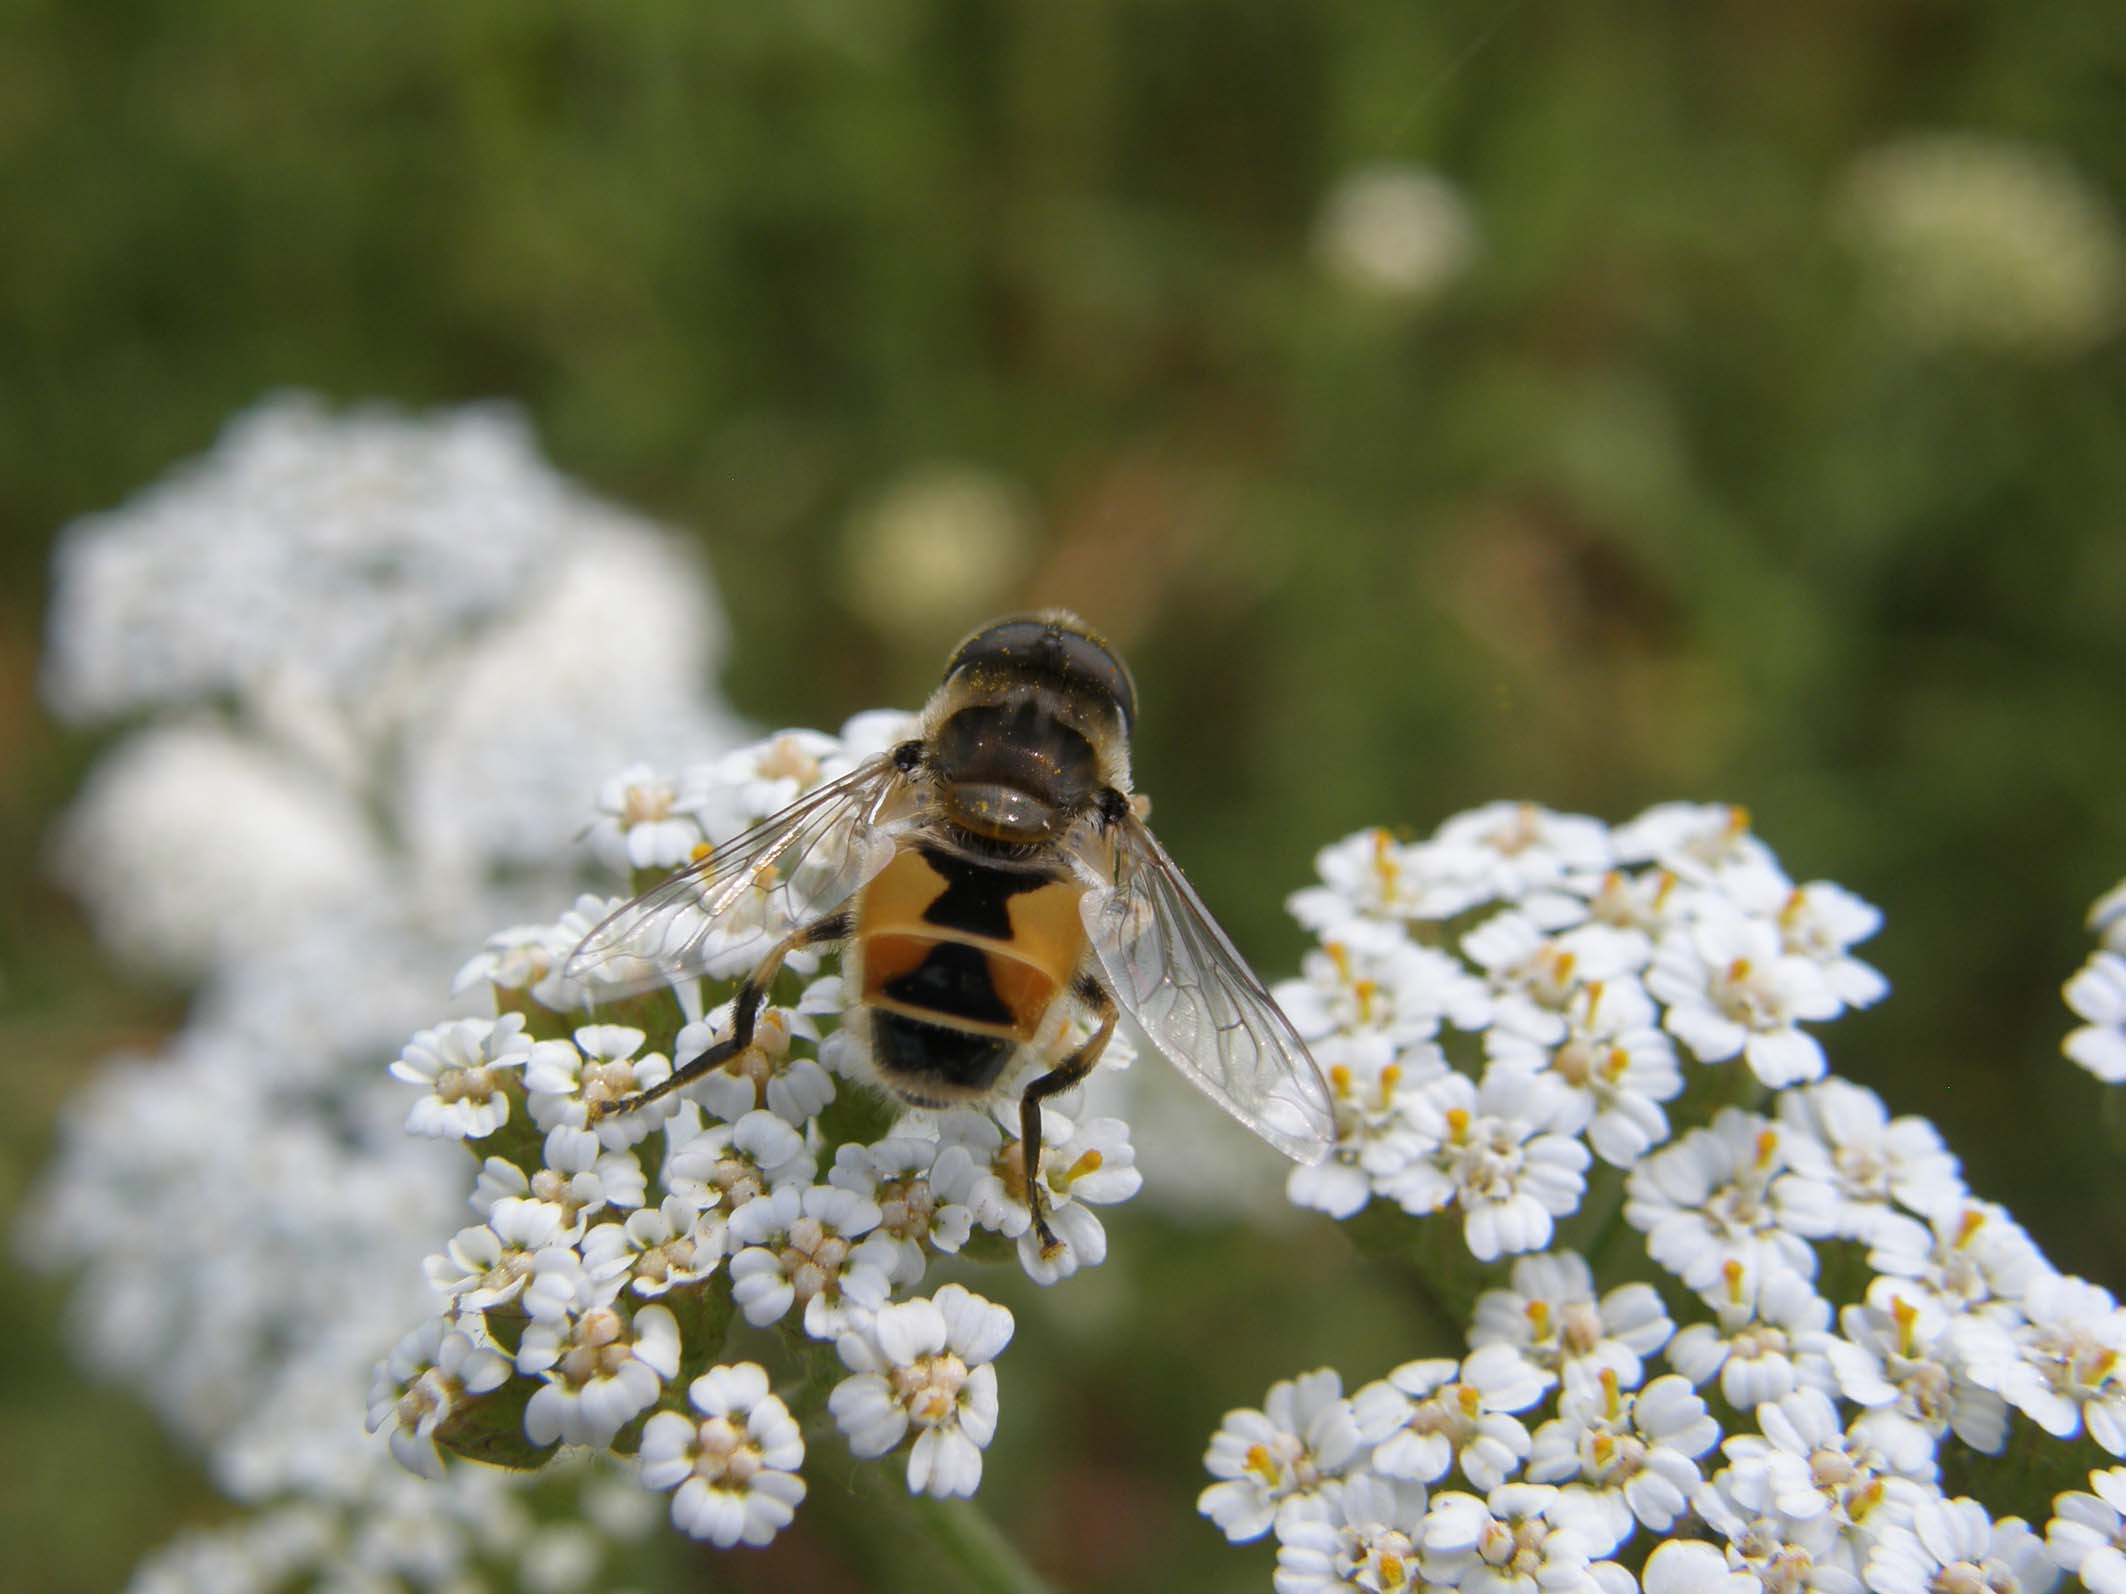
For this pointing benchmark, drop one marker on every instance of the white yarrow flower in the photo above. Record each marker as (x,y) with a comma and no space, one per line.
(1772,1336)
(895,1174)
(1975,1256)
(602,1369)
(1729,1194)
(579,1176)
(981,1166)
(733,1462)
(658,1248)
(1842,1133)
(1522,1538)
(1426,1417)
(1371,1084)
(1267,1462)
(2060,1367)
(641,823)
(1535,975)
(1686,1566)
(465,1065)
(597,1068)
(1371,875)
(1552,1318)
(1707,845)
(1808,1464)
(1954,1545)
(1732,988)
(1607,1070)
(766,1073)
(1625,1457)
(808,1248)
(2097,993)
(925,1364)
(1478,1150)
(1367,976)
(1364,1534)
(418,1386)
(1903,1358)
(1822,922)
(490,1264)
(729,1164)
(2087,1534)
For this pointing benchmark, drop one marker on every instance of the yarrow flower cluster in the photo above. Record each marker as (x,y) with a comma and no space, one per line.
(691,1279)
(1588,966)
(1534,1027)
(379,661)
(1732,1326)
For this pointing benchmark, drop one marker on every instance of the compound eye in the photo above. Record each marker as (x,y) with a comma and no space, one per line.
(1087,659)
(1056,646)
(1007,643)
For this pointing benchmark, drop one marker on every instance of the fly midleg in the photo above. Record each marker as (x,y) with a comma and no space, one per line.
(1058,1079)
(745,1013)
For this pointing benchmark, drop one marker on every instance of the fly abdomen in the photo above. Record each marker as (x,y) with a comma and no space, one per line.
(953,980)
(959,961)
(930,1065)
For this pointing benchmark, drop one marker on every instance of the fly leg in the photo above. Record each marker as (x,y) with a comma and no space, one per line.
(1058,1079)
(745,1013)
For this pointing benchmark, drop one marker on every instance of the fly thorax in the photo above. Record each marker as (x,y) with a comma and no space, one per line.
(1015,770)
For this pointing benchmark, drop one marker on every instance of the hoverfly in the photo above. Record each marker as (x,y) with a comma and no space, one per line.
(991,882)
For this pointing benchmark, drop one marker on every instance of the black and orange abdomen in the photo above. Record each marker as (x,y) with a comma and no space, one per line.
(960,962)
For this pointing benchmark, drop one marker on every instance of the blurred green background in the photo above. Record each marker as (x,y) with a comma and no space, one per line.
(1739,459)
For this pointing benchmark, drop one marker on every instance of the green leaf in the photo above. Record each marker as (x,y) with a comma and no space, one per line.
(489,1429)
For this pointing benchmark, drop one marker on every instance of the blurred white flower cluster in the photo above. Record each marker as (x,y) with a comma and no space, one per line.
(377,654)
(1987,243)
(1593,1051)
(369,665)
(631,1278)
(1396,234)
(935,550)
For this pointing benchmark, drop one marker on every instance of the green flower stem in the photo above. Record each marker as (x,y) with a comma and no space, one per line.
(1383,1234)
(976,1546)
(901,1541)
(905,1542)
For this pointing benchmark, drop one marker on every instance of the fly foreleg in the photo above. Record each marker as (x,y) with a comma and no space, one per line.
(1057,1080)
(751,997)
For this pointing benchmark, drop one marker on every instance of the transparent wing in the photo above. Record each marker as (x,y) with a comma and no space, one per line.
(722,913)
(1173,970)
